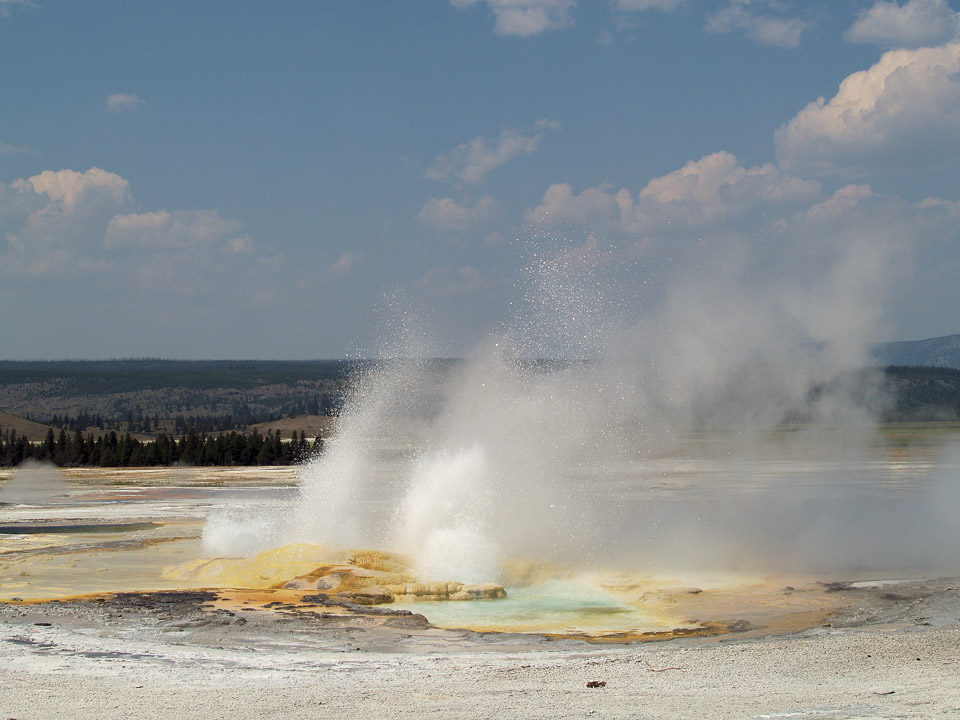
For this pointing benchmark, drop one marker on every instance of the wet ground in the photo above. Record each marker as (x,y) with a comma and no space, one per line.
(891,653)
(104,615)
(127,536)
(102,532)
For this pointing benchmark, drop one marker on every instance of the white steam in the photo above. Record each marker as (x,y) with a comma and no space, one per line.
(442,518)
(34,483)
(232,532)
(601,427)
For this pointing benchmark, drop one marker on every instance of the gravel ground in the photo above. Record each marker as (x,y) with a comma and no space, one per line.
(99,661)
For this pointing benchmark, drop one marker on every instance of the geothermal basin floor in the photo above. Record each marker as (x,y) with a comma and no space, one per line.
(170,658)
(884,646)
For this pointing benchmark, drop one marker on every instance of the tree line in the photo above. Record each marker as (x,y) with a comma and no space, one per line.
(137,421)
(122,450)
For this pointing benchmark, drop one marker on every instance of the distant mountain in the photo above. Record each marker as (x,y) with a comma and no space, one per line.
(933,352)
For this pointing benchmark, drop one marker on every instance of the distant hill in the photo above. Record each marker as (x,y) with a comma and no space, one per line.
(168,388)
(933,352)
(922,393)
(313,425)
(25,428)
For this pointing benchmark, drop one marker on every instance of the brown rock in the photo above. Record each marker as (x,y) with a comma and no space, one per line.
(373,595)
(480,591)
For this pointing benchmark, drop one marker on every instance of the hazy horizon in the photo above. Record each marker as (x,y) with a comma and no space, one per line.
(320,359)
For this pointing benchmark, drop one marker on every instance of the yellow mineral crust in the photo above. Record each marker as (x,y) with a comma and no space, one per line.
(367,577)
(382,561)
(268,569)
(448,590)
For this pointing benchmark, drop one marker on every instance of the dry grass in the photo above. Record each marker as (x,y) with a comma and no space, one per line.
(313,425)
(24,427)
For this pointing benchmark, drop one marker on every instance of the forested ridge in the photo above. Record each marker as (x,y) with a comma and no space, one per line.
(158,412)
(127,391)
(106,376)
(921,393)
(129,413)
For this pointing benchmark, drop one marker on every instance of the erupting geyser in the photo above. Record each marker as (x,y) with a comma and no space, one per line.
(443,517)
(724,431)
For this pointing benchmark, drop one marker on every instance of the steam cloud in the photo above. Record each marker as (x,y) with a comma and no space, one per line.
(34,484)
(602,427)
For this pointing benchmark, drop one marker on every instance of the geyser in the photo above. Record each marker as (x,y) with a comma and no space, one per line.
(726,428)
(442,520)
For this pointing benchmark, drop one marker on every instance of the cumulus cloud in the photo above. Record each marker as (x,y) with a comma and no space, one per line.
(61,223)
(718,186)
(71,191)
(445,213)
(844,200)
(55,219)
(524,18)
(173,230)
(914,24)
(472,161)
(747,253)
(561,204)
(762,27)
(123,102)
(901,114)
(714,188)
(108,278)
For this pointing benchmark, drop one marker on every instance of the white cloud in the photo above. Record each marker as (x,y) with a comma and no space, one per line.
(447,214)
(8,6)
(106,279)
(123,102)
(712,189)
(841,202)
(901,114)
(173,230)
(740,16)
(241,244)
(69,190)
(718,186)
(56,219)
(472,161)
(560,204)
(7,149)
(640,5)
(65,223)
(524,18)
(914,24)
(751,253)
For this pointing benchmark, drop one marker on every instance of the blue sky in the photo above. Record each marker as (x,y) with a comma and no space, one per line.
(286,180)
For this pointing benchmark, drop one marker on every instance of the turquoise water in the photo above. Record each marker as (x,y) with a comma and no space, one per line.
(554,606)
